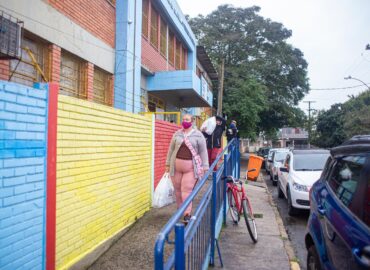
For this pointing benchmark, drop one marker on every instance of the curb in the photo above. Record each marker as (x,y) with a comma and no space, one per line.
(283,234)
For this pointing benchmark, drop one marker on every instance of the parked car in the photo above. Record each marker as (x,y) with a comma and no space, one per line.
(263,152)
(301,169)
(268,160)
(277,158)
(338,229)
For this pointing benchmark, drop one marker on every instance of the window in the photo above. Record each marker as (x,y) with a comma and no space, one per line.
(184,58)
(155,104)
(163,42)
(102,87)
(154,28)
(72,77)
(24,70)
(145,21)
(345,181)
(171,48)
(178,55)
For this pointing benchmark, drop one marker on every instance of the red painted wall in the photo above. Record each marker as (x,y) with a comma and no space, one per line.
(96,16)
(152,58)
(163,135)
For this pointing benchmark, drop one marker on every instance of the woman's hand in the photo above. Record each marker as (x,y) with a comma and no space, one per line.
(167,169)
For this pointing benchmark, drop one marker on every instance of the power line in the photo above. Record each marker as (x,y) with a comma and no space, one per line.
(336,88)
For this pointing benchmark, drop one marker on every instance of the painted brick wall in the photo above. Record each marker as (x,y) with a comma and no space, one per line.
(163,135)
(4,70)
(23,114)
(96,16)
(103,175)
(152,59)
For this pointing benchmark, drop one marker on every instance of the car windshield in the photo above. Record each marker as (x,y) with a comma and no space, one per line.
(280,156)
(310,162)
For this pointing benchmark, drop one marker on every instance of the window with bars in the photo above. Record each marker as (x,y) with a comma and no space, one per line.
(102,87)
(72,76)
(171,48)
(154,28)
(145,26)
(178,55)
(163,41)
(183,58)
(24,71)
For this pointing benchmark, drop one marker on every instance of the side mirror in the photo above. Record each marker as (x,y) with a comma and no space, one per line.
(284,169)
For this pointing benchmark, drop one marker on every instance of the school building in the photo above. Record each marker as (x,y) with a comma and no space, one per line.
(78,158)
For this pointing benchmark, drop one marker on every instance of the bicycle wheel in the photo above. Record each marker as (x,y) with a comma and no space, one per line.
(249,220)
(232,207)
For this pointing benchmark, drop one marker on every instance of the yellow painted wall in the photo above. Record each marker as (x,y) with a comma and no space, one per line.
(103,175)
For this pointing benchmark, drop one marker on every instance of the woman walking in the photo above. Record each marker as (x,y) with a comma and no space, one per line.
(187,161)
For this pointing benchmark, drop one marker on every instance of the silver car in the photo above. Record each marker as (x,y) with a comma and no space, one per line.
(278,157)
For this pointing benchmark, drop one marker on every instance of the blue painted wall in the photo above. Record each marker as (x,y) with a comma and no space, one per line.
(23,129)
(127,91)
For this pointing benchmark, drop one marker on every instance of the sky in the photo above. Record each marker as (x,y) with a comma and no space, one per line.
(332,34)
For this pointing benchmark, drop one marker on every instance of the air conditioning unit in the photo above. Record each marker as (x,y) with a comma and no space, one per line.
(10,37)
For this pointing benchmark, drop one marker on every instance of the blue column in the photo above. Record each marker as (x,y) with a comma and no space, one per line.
(128,55)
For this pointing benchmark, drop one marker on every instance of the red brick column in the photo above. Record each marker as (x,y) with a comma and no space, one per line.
(55,58)
(89,68)
(4,70)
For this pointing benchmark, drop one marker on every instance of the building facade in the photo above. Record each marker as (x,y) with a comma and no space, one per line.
(133,55)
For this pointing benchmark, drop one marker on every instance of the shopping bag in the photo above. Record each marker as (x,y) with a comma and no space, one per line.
(209,125)
(164,194)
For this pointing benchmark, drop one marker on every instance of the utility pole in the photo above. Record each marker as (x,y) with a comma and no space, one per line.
(221,88)
(309,121)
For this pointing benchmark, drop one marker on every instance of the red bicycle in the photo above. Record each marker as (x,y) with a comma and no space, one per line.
(240,204)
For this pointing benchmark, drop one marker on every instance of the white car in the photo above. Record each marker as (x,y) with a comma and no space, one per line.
(278,157)
(301,169)
(268,160)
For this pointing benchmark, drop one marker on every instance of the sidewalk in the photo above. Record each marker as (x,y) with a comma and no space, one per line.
(134,250)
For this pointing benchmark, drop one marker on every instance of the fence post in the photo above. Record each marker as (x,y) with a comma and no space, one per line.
(179,246)
(238,159)
(225,187)
(213,218)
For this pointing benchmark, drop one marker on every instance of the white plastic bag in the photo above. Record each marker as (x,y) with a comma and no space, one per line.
(164,194)
(209,125)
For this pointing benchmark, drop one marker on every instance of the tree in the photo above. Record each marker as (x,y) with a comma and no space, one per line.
(256,52)
(342,121)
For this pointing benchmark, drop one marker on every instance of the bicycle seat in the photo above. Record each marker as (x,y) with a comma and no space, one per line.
(230,179)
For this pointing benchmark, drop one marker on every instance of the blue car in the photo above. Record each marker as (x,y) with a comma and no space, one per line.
(338,229)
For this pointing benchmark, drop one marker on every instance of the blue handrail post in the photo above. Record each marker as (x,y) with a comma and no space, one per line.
(225,186)
(179,246)
(238,159)
(213,217)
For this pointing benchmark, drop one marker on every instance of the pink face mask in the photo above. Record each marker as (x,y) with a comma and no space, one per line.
(186,125)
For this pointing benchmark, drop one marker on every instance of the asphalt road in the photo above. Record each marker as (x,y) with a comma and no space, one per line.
(295,226)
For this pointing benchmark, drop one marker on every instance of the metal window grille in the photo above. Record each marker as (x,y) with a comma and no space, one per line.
(155,103)
(72,76)
(102,92)
(163,41)
(10,37)
(178,55)
(24,71)
(183,58)
(154,28)
(145,27)
(171,48)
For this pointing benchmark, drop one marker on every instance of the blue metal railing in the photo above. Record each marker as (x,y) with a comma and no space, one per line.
(193,246)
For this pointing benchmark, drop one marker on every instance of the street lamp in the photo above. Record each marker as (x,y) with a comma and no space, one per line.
(351,78)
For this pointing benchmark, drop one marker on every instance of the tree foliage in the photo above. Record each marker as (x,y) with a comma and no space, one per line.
(342,121)
(258,61)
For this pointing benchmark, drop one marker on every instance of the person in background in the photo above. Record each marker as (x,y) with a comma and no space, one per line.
(187,161)
(232,131)
(214,141)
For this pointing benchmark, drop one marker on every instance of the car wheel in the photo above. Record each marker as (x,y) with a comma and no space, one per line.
(313,261)
(280,191)
(292,211)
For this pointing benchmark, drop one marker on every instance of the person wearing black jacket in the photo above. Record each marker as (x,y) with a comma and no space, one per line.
(232,131)
(214,141)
